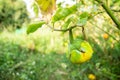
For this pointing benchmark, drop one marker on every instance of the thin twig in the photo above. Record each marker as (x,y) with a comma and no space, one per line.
(110,13)
(71,36)
(107,33)
(83,31)
(115,10)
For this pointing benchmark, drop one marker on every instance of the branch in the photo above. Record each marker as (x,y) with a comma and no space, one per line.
(110,13)
(64,30)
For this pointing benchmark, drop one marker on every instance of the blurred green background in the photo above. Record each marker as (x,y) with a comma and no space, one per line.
(42,55)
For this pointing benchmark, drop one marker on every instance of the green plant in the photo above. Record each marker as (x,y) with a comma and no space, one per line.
(72,17)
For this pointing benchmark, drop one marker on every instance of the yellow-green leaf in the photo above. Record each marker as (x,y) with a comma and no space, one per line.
(46,6)
(80,51)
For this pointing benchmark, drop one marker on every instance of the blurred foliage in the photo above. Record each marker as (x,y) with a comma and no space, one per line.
(12,13)
(41,55)
(19,60)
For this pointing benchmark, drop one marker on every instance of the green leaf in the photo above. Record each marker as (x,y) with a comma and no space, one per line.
(66,24)
(84,15)
(75,56)
(35,8)
(76,44)
(62,13)
(34,26)
(83,19)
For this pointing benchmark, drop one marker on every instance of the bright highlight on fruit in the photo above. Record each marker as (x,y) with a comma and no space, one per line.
(81,51)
